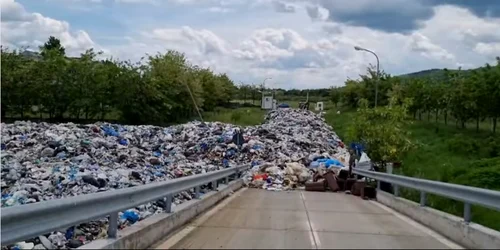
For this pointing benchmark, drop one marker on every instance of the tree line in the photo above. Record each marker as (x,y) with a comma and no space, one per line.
(253,92)
(161,89)
(465,95)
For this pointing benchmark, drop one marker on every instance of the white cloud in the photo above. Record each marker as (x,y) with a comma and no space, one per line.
(423,45)
(21,28)
(491,50)
(217,9)
(270,44)
(318,13)
(454,24)
(284,7)
(203,41)
(297,51)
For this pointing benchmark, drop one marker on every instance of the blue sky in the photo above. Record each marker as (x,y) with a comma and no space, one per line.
(299,43)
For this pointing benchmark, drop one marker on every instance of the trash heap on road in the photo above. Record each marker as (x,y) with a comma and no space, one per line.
(299,143)
(42,161)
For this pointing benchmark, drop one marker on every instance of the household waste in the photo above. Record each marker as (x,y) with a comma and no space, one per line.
(42,161)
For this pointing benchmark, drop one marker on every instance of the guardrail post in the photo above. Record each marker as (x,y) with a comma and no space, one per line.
(214,185)
(113,225)
(226,180)
(396,190)
(378,184)
(423,198)
(467,214)
(197,194)
(168,204)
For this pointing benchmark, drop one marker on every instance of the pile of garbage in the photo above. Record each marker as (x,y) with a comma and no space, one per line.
(42,161)
(300,143)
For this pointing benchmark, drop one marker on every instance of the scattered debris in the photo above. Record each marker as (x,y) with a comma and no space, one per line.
(42,161)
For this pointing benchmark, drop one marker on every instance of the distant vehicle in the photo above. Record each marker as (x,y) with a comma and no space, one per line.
(283,106)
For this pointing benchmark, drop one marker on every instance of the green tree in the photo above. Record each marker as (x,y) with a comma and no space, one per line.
(53,44)
(17,83)
(335,95)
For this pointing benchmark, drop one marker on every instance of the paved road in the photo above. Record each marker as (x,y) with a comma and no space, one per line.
(255,219)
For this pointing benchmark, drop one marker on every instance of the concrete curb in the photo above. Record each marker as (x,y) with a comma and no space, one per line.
(472,235)
(148,232)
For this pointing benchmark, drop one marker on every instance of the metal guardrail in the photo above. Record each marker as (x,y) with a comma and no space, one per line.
(31,220)
(468,195)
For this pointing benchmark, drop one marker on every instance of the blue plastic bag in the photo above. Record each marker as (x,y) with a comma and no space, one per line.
(358,148)
(123,142)
(109,131)
(333,163)
(131,216)
(328,163)
(69,233)
(255,163)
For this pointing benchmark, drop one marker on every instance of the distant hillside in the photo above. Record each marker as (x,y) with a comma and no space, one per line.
(432,73)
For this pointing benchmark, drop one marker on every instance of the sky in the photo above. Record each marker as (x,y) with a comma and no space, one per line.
(298,43)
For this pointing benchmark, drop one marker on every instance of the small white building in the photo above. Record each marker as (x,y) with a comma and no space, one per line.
(267,102)
(319,106)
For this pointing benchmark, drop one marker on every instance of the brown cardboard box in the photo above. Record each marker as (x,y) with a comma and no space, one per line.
(332,181)
(318,186)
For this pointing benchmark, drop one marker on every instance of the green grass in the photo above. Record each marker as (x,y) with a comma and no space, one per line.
(240,116)
(448,154)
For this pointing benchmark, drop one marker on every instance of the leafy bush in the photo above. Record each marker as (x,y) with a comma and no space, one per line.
(382,131)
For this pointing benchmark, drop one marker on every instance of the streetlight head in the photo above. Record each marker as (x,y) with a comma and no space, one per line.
(358,48)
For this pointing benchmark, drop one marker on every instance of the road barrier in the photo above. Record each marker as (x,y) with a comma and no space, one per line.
(31,220)
(468,195)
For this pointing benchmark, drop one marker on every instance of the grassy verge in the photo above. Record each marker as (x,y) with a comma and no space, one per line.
(240,116)
(445,153)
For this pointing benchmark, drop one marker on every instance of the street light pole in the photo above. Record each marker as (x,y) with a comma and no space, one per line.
(378,70)
(263,84)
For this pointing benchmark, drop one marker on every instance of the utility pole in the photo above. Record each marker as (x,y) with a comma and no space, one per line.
(378,70)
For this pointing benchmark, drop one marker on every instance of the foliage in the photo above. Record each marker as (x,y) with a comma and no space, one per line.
(433,159)
(484,147)
(53,44)
(155,91)
(335,94)
(253,92)
(381,130)
(468,96)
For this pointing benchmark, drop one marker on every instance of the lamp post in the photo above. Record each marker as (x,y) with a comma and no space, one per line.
(378,72)
(263,84)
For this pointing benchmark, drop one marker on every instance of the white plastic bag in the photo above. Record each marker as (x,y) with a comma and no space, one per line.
(364,162)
